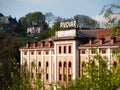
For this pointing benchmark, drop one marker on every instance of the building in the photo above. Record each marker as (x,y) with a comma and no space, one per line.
(34,29)
(61,57)
(8,23)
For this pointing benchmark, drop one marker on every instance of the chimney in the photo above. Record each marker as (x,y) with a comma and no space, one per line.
(50,44)
(27,44)
(102,40)
(91,41)
(42,44)
(35,44)
(113,40)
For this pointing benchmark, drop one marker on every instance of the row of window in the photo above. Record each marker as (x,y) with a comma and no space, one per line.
(64,49)
(60,64)
(65,64)
(93,51)
(83,51)
(65,77)
(93,62)
(103,51)
(39,52)
(39,64)
(39,75)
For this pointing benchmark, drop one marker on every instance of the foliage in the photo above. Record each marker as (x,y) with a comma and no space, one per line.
(35,18)
(85,22)
(54,28)
(43,35)
(49,17)
(8,51)
(110,12)
(97,76)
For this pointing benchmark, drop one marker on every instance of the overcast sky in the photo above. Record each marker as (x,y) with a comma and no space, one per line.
(62,8)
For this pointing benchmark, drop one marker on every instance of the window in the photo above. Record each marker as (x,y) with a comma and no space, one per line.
(65,77)
(60,77)
(113,51)
(32,64)
(32,52)
(70,78)
(65,64)
(83,51)
(25,52)
(39,64)
(92,51)
(69,48)
(47,76)
(60,64)
(39,75)
(32,75)
(47,64)
(64,49)
(47,52)
(103,51)
(39,52)
(114,64)
(59,49)
(69,64)
(25,64)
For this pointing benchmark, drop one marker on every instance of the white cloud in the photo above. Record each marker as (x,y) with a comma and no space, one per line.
(101,19)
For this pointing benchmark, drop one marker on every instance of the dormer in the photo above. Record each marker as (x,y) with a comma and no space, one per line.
(50,43)
(91,40)
(35,44)
(102,40)
(42,44)
(27,44)
(113,40)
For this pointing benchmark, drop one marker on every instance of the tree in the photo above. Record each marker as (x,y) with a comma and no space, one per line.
(43,35)
(49,17)
(54,28)
(35,18)
(110,12)
(22,25)
(8,51)
(85,22)
(59,19)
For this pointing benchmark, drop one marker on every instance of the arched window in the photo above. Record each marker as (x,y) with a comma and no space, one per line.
(114,64)
(59,49)
(32,75)
(69,64)
(60,64)
(32,64)
(47,64)
(25,64)
(39,64)
(64,49)
(65,64)
(69,49)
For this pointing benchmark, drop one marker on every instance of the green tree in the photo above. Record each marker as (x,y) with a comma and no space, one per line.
(35,18)
(43,35)
(49,17)
(85,22)
(54,28)
(8,51)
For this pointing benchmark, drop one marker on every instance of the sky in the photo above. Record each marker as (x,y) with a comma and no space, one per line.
(62,8)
